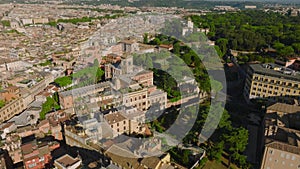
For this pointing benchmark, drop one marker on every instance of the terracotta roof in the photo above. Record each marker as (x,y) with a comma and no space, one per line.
(27,148)
(7,125)
(44,122)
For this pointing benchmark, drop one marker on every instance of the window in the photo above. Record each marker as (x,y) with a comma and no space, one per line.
(42,159)
(32,165)
(293,158)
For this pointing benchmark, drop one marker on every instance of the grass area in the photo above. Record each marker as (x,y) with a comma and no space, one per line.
(49,105)
(63,81)
(46,63)
(216,165)
(13,31)
(5,23)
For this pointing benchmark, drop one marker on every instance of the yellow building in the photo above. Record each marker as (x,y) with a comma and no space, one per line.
(272,82)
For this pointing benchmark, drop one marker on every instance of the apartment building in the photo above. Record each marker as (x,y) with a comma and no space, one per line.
(125,120)
(9,93)
(17,65)
(272,82)
(117,122)
(130,45)
(145,78)
(132,86)
(36,154)
(281,138)
(13,146)
(278,155)
(5,160)
(11,109)
(67,98)
(20,99)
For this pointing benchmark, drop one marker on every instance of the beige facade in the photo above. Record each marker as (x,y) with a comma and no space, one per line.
(67,98)
(281,156)
(117,122)
(25,97)
(11,109)
(136,99)
(271,84)
(282,143)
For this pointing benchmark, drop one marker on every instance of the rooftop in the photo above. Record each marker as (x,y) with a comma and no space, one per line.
(286,108)
(275,71)
(67,160)
(284,147)
(114,117)
(84,90)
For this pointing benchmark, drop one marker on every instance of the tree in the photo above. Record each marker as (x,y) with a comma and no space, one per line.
(156,41)
(5,23)
(222,43)
(47,107)
(148,62)
(63,81)
(187,58)
(2,103)
(296,47)
(96,63)
(215,152)
(99,74)
(216,86)
(286,51)
(236,140)
(278,45)
(176,48)
(145,40)
(56,97)
(185,158)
